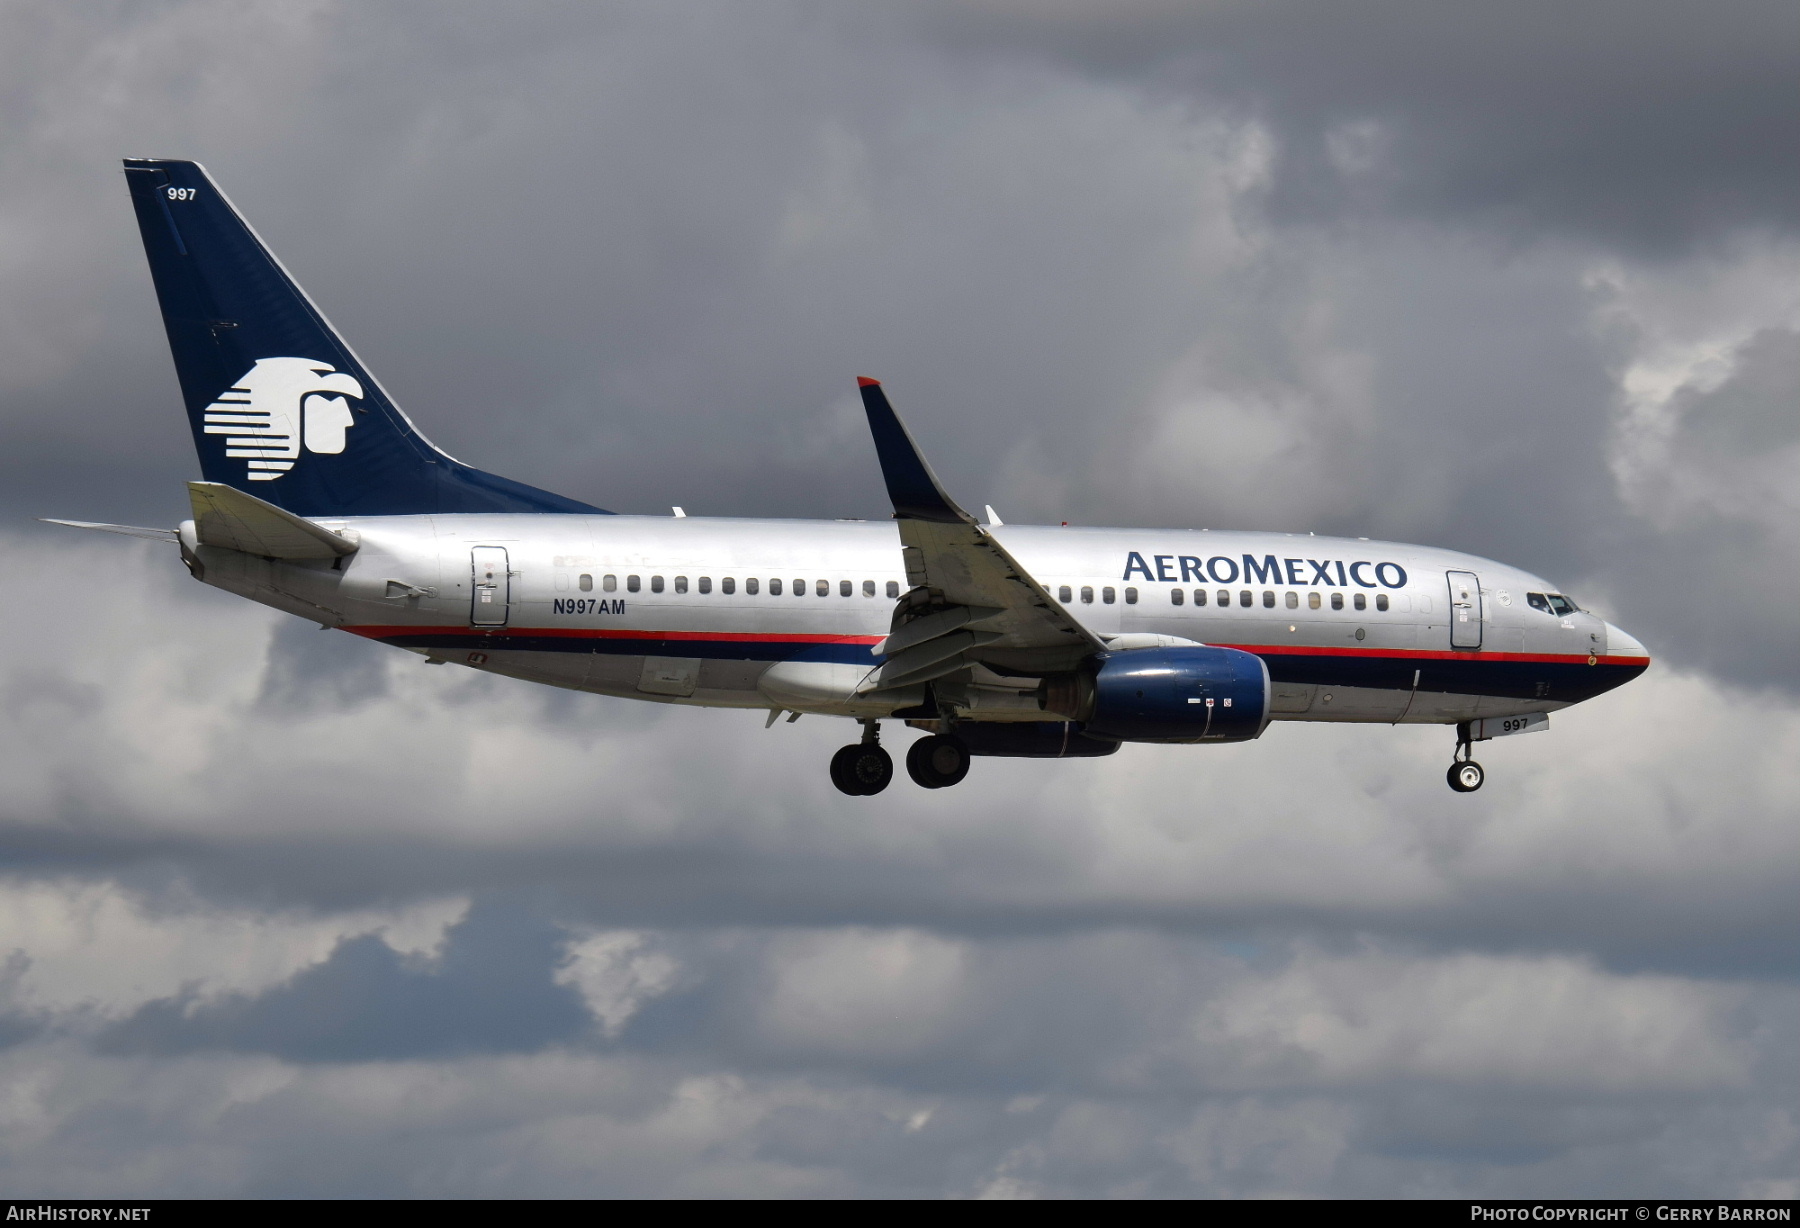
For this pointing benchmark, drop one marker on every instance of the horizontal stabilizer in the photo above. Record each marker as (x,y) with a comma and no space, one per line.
(126,530)
(225,516)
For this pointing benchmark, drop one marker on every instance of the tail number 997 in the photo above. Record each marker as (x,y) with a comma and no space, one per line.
(1500,726)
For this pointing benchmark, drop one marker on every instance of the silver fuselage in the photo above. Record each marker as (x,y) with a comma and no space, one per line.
(638,607)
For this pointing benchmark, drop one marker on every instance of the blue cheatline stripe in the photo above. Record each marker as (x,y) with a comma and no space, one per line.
(712,650)
(1567,681)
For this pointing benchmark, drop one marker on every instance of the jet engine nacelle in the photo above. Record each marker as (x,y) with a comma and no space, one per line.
(1166,695)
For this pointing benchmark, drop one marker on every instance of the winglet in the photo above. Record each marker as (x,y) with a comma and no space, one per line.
(914,489)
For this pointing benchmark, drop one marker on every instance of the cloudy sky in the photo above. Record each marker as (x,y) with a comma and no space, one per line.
(282,913)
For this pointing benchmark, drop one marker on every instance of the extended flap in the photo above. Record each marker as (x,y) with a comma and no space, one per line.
(225,516)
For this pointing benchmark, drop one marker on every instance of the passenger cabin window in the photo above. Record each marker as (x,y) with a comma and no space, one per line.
(822,587)
(1268,600)
(1087,593)
(706,584)
(1199,596)
(728,585)
(1107,595)
(750,586)
(1381,601)
(1312,601)
(1175,597)
(633,584)
(1337,601)
(799,588)
(1064,595)
(585,583)
(1362,602)
(893,588)
(844,588)
(868,588)
(1245,598)
(1225,598)
(656,584)
(775,588)
(681,584)
(1293,601)
(1131,596)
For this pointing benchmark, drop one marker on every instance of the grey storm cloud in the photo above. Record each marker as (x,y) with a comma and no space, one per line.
(285,913)
(1646,127)
(490,990)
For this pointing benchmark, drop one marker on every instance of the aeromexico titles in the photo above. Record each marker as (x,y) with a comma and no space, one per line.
(321,499)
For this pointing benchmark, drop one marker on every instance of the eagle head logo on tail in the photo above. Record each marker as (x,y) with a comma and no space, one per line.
(278,405)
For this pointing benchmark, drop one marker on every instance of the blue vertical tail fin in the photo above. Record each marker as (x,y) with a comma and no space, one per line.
(280,407)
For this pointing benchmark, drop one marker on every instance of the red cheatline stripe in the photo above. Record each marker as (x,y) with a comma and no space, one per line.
(1426,654)
(617,633)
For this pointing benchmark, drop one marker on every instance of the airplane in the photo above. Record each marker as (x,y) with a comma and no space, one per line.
(321,499)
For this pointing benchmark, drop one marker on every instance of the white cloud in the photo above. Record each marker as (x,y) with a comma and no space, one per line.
(617,973)
(877,995)
(1475,1019)
(95,944)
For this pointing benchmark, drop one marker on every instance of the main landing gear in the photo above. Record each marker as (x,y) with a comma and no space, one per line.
(863,769)
(1465,775)
(937,762)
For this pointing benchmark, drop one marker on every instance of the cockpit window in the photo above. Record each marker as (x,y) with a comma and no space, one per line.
(1538,601)
(1561,605)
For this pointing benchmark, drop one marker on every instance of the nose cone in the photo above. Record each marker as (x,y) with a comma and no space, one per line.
(1618,644)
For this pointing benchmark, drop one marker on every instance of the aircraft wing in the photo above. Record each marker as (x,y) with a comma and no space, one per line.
(970,601)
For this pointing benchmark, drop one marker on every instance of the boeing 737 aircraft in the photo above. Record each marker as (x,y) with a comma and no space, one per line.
(323,500)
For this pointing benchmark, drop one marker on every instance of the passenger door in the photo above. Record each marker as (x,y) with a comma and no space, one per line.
(1465,610)
(493,587)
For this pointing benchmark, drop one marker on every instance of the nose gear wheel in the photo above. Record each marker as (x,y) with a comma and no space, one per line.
(1465,775)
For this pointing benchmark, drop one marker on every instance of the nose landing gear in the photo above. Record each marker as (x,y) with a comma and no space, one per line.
(1465,775)
(863,769)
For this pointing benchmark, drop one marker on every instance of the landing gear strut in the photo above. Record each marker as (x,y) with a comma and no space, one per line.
(937,762)
(863,769)
(1465,775)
